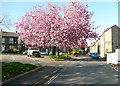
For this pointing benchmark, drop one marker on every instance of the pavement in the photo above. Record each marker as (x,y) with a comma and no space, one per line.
(33,78)
(79,71)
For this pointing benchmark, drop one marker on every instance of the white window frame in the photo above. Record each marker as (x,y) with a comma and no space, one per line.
(3,40)
(11,41)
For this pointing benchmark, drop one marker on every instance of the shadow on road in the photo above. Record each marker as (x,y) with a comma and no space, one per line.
(86,58)
(87,75)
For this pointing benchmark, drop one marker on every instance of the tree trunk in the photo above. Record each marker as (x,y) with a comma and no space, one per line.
(48,50)
(53,50)
(58,52)
(69,50)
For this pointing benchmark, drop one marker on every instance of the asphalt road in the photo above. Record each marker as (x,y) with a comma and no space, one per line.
(43,60)
(82,70)
(85,71)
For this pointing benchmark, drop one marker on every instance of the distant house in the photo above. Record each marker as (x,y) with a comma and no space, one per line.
(8,40)
(108,42)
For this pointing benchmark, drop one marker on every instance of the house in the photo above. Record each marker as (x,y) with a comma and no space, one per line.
(8,40)
(108,42)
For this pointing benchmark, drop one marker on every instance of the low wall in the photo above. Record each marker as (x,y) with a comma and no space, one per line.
(114,58)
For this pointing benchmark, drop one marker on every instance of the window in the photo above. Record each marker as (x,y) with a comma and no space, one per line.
(11,40)
(11,47)
(3,40)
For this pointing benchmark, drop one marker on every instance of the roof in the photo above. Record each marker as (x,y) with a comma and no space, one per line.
(115,26)
(9,34)
(110,28)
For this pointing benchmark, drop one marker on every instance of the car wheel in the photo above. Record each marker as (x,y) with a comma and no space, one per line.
(30,55)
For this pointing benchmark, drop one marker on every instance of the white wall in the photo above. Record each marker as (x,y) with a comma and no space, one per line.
(0,40)
(114,58)
(102,53)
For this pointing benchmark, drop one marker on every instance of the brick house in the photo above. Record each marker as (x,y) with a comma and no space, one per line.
(8,40)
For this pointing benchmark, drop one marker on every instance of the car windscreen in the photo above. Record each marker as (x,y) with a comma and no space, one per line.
(34,48)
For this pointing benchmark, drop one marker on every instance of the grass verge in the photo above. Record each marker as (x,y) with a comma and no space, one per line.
(12,69)
(62,57)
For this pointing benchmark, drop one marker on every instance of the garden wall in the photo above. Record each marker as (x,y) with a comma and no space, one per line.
(114,58)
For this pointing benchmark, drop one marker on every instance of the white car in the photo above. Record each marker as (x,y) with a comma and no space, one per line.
(33,51)
(50,53)
(61,53)
(43,53)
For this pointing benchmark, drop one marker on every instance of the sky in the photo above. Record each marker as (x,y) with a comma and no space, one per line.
(105,12)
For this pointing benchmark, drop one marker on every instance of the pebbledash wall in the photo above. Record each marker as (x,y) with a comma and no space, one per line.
(108,42)
(113,58)
(0,39)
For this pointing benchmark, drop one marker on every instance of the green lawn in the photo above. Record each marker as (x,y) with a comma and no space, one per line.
(12,69)
(62,57)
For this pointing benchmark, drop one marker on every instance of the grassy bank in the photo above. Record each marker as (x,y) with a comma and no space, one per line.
(12,69)
(62,57)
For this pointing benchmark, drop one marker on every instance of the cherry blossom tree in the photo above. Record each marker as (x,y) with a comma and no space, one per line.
(60,26)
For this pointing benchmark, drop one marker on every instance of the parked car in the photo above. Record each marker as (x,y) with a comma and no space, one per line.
(43,53)
(90,54)
(8,51)
(25,52)
(50,53)
(94,55)
(33,51)
(61,53)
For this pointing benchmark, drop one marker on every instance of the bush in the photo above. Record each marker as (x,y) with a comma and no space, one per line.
(74,52)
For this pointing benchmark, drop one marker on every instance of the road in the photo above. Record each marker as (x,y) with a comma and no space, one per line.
(86,71)
(81,70)
(43,60)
